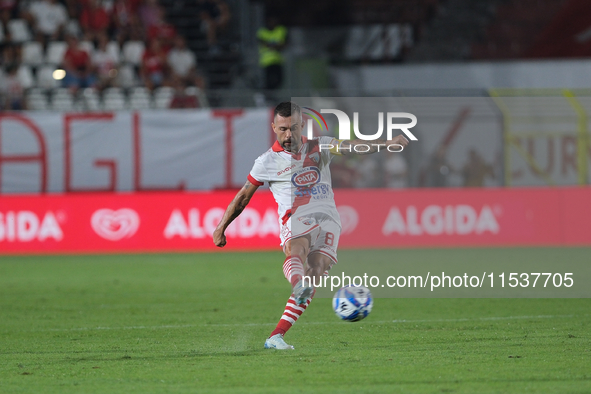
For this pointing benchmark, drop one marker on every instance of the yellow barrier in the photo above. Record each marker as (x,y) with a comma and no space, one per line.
(510,136)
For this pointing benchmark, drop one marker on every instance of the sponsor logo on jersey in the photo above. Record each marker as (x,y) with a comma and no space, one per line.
(285,232)
(306,221)
(286,169)
(115,225)
(306,177)
(315,157)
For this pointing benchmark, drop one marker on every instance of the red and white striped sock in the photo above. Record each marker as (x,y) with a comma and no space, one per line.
(293,269)
(290,315)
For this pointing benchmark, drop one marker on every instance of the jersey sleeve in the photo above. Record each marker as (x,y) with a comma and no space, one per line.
(327,154)
(258,175)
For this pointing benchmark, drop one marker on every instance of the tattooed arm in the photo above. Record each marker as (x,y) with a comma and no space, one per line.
(361,147)
(233,211)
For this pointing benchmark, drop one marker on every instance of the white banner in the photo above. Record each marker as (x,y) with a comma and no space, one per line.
(130,151)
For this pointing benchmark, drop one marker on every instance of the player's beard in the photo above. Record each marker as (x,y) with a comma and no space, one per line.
(289,145)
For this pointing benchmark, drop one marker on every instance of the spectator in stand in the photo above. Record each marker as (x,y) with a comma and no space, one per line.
(75,8)
(8,5)
(48,18)
(396,171)
(183,64)
(272,39)
(154,66)
(126,21)
(105,63)
(133,6)
(122,16)
(12,90)
(163,31)
(368,173)
(11,54)
(181,99)
(476,170)
(214,15)
(149,13)
(438,169)
(342,171)
(78,66)
(94,20)
(8,10)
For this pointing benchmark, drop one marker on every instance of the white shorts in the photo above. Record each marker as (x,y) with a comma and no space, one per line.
(323,230)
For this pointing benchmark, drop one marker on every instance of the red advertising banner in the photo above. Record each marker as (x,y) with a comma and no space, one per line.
(183,221)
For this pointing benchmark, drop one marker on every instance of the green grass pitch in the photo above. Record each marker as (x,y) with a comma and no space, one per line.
(196,323)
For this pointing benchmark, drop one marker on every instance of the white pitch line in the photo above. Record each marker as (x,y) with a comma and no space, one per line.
(398,321)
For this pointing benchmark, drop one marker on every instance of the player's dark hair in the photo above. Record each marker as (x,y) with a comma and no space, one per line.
(286,108)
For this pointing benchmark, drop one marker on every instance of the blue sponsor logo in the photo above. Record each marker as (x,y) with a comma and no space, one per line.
(306,177)
(316,192)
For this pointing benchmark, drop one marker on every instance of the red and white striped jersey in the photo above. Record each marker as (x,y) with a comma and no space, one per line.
(300,183)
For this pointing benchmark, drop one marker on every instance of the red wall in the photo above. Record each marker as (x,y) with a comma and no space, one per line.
(177,221)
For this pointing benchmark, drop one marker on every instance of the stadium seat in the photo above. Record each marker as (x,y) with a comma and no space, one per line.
(369,42)
(90,99)
(126,76)
(62,100)
(139,98)
(355,42)
(37,100)
(45,77)
(87,46)
(201,97)
(114,99)
(113,49)
(25,76)
(19,31)
(73,28)
(374,36)
(32,53)
(55,52)
(163,97)
(394,36)
(36,92)
(133,52)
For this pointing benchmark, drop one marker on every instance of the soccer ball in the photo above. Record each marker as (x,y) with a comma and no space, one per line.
(352,303)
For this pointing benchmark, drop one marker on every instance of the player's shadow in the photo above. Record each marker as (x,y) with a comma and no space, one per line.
(127,357)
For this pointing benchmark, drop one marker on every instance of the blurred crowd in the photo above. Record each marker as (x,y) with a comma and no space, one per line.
(392,171)
(370,171)
(91,40)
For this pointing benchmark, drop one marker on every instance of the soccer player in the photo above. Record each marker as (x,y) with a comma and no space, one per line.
(297,170)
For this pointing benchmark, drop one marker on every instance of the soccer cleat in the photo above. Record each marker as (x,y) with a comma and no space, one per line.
(302,293)
(277,342)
